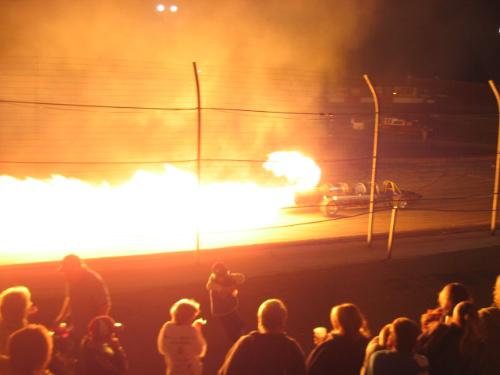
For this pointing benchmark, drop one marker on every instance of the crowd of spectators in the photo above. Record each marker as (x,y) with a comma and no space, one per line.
(455,337)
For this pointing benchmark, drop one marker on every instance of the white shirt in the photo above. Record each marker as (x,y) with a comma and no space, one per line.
(183,347)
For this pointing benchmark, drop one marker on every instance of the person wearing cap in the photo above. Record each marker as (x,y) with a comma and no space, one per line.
(87,295)
(223,289)
(101,352)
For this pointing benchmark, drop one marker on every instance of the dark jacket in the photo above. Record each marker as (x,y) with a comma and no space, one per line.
(442,347)
(339,355)
(264,354)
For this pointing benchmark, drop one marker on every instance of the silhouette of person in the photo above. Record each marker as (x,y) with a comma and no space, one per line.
(29,351)
(181,340)
(267,351)
(87,295)
(15,307)
(223,288)
(101,352)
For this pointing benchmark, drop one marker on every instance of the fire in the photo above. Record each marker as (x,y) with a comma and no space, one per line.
(301,171)
(152,212)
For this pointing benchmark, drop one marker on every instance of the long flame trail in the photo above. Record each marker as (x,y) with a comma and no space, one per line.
(152,212)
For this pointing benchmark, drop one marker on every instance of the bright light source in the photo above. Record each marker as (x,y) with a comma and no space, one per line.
(160,7)
(174,8)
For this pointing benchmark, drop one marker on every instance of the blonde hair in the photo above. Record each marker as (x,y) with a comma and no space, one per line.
(14,304)
(272,315)
(348,320)
(184,311)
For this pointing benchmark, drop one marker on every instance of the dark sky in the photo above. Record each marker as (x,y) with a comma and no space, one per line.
(453,39)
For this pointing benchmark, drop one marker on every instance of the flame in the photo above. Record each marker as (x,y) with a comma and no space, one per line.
(152,212)
(301,171)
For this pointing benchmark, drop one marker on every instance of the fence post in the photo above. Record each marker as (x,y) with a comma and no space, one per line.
(374,160)
(392,228)
(198,159)
(493,225)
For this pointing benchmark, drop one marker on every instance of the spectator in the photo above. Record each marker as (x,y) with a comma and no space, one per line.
(380,342)
(101,352)
(455,347)
(490,319)
(223,288)
(29,350)
(344,351)
(181,340)
(15,307)
(86,297)
(267,351)
(448,298)
(401,359)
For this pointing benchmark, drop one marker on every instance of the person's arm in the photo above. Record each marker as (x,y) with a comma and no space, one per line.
(161,341)
(102,300)
(199,345)
(236,361)
(213,285)
(64,312)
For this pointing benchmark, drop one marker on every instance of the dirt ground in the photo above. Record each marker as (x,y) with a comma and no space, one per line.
(309,277)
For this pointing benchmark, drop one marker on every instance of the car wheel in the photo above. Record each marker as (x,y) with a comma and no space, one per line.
(329,208)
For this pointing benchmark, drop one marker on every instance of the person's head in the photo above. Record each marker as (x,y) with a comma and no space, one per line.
(219,270)
(466,317)
(452,294)
(496,293)
(101,328)
(30,349)
(404,334)
(348,320)
(464,313)
(71,267)
(272,316)
(184,311)
(15,304)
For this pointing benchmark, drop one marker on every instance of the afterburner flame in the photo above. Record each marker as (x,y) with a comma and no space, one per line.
(46,219)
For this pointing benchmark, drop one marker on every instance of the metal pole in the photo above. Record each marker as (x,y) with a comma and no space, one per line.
(497,166)
(391,231)
(374,160)
(198,158)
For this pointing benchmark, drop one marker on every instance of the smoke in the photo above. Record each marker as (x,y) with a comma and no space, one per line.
(272,55)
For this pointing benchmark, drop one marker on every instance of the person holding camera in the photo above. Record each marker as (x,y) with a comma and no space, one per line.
(181,340)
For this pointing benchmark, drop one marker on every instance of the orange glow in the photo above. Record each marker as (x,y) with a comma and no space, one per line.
(152,212)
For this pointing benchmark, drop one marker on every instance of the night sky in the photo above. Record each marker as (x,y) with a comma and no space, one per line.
(449,39)
(456,39)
